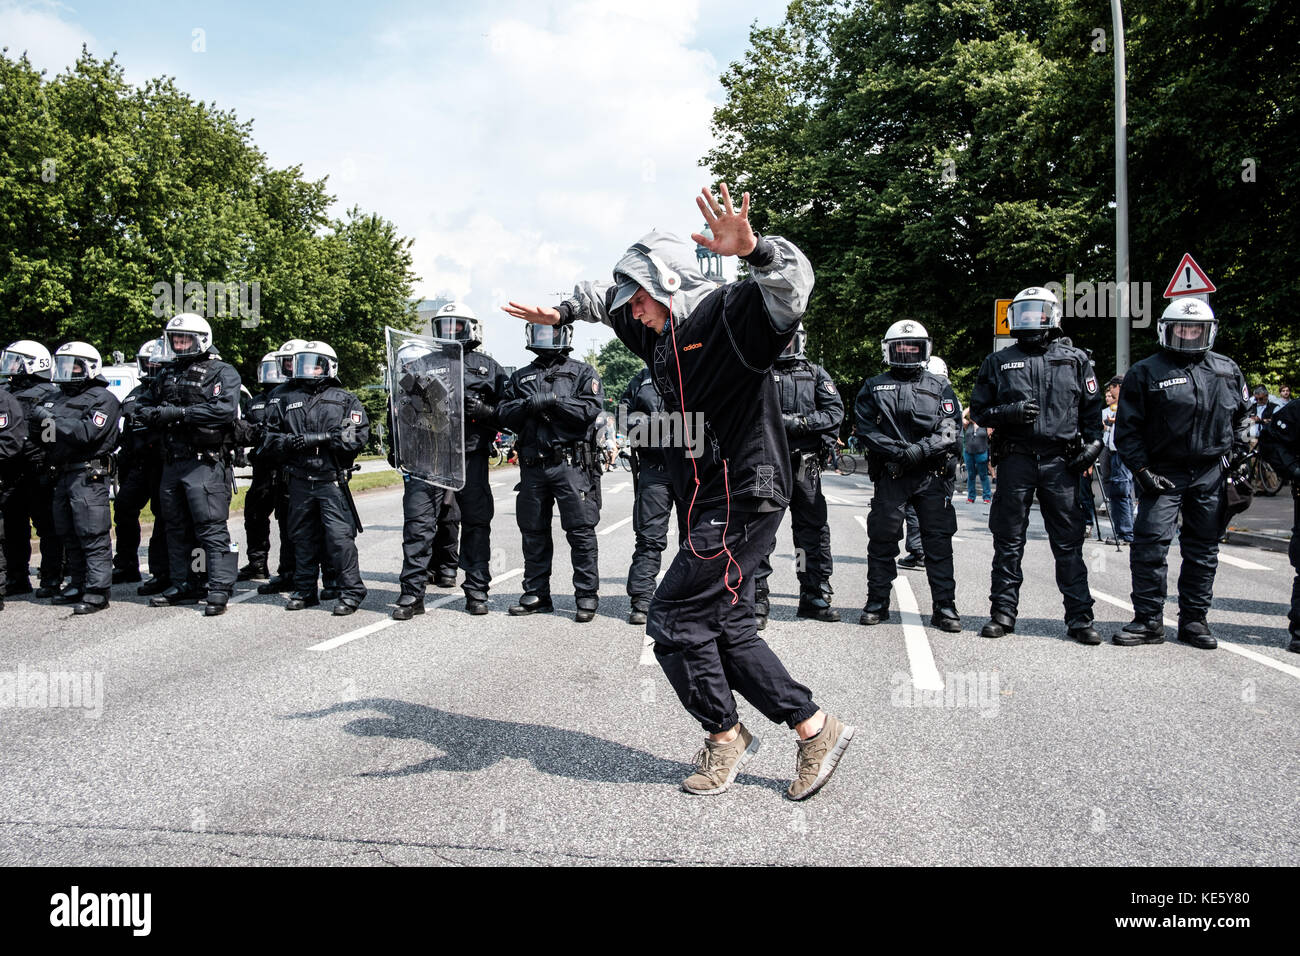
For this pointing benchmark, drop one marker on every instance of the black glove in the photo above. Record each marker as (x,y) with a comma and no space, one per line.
(41,413)
(894,468)
(478,409)
(539,402)
(1152,483)
(167,414)
(912,456)
(1023,413)
(299,442)
(1087,456)
(794,424)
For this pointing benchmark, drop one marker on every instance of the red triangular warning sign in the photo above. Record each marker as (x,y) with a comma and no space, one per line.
(1190,279)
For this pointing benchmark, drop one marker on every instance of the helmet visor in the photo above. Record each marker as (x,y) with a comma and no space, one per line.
(270,371)
(311,365)
(71,368)
(183,343)
(452,328)
(1188,336)
(549,336)
(1030,315)
(907,353)
(794,348)
(13,363)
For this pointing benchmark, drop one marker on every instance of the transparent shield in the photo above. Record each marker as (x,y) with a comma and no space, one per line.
(426,398)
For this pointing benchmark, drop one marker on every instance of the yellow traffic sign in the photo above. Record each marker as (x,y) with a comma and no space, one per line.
(1000,321)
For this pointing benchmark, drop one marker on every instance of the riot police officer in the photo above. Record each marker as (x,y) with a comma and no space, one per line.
(139,466)
(811,409)
(198,404)
(421,423)
(485,384)
(1280,444)
(643,409)
(13,436)
(1041,397)
(316,430)
(909,419)
(552,405)
(260,499)
(85,430)
(1180,412)
(27,364)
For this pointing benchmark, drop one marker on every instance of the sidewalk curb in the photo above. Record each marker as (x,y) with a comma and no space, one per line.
(1251,539)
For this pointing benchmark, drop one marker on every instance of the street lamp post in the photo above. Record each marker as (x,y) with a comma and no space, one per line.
(1121,197)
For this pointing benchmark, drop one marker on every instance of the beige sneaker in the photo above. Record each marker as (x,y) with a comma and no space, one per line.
(817,758)
(718,764)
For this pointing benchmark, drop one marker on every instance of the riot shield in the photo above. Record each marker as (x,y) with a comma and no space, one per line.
(426,400)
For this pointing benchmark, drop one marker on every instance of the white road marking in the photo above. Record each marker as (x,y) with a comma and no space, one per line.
(1242,562)
(862,484)
(925,676)
(615,526)
(242,596)
(862,521)
(374,628)
(621,486)
(835,500)
(648,651)
(495,484)
(1226,645)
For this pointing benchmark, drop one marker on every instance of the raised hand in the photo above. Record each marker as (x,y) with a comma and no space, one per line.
(537,314)
(732,235)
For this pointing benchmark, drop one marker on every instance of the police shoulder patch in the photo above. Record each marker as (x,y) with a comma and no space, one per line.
(829,386)
(4,421)
(528,378)
(948,406)
(216,389)
(99,418)
(1091,383)
(356,418)
(595,385)
(1245,392)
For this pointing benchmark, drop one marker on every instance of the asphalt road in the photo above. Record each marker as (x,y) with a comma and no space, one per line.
(269,737)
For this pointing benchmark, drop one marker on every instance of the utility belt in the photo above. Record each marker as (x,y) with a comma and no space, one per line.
(328,476)
(577,454)
(212,456)
(98,468)
(999,450)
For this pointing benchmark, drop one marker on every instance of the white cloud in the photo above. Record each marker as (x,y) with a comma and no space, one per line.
(51,43)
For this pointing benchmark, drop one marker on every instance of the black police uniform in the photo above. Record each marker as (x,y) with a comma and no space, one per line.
(13,436)
(909,421)
(139,482)
(653,490)
(1178,414)
(85,416)
(485,386)
(263,492)
(31,498)
(1042,457)
(316,428)
(811,409)
(198,405)
(552,405)
(1280,445)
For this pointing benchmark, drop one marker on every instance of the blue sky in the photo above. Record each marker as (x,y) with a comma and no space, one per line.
(522,145)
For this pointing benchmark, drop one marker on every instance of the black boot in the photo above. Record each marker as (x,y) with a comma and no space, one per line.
(277,585)
(297,602)
(329,594)
(587,605)
(344,608)
(17,586)
(126,575)
(408,605)
(912,562)
(445,579)
(640,610)
(1294,646)
(532,604)
(69,595)
(815,603)
(946,618)
(1085,634)
(761,607)
(216,603)
(153,586)
(45,590)
(1000,625)
(174,596)
(1137,632)
(255,568)
(876,612)
(476,602)
(1196,633)
(95,600)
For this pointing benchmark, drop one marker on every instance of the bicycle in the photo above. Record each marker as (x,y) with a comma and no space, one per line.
(1263,476)
(502,449)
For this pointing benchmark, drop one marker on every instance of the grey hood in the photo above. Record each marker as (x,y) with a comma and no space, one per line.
(649,263)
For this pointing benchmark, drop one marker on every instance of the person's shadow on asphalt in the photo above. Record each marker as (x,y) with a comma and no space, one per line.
(475,743)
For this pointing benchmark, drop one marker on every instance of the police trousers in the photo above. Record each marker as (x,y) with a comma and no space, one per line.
(930,495)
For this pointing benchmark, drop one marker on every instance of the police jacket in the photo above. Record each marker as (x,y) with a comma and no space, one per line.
(139,444)
(571,420)
(1280,441)
(647,427)
(895,410)
(1178,409)
(251,425)
(208,391)
(1058,377)
(13,436)
(330,418)
(713,359)
(85,416)
(31,392)
(811,407)
(486,381)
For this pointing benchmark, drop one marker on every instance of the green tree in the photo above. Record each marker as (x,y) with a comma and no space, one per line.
(617,367)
